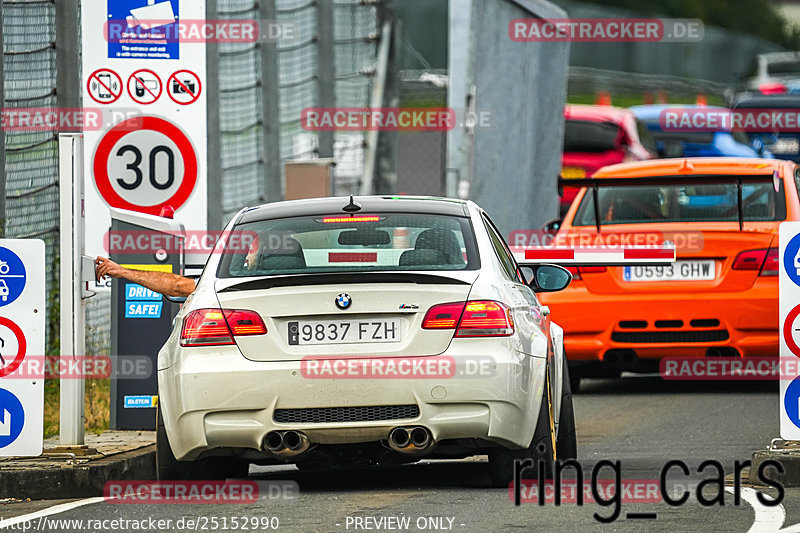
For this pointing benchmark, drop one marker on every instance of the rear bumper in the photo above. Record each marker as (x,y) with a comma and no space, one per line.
(213,397)
(748,322)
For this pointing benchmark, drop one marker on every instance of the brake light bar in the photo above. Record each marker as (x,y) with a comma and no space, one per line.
(346,219)
(476,318)
(215,327)
(595,255)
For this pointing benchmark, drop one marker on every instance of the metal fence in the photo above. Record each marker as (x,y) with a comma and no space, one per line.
(29,79)
(31,159)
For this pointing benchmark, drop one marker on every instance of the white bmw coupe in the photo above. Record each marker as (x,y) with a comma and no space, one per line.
(340,332)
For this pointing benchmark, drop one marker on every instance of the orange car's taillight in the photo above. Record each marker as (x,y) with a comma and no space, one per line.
(764,260)
(215,327)
(577,271)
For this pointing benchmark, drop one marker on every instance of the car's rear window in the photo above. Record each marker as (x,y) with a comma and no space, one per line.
(784,67)
(682,203)
(345,243)
(588,136)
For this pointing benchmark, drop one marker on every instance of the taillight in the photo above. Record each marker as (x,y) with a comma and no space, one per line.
(765,261)
(215,327)
(473,319)
(774,87)
(577,271)
(770,267)
(444,316)
(485,319)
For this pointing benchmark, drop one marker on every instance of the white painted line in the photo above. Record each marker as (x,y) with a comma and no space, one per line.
(768,519)
(56,509)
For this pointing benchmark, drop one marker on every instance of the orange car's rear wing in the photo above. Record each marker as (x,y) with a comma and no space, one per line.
(649,181)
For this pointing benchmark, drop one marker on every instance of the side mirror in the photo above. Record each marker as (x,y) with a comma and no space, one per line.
(552,226)
(548,278)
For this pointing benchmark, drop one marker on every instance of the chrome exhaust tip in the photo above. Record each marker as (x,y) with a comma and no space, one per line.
(420,437)
(273,442)
(410,440)
(286,443)
(399,438)
(292,440)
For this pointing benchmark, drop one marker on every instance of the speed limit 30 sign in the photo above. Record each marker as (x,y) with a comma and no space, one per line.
(144,164)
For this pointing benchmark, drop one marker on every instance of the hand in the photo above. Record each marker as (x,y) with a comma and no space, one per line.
(106,267)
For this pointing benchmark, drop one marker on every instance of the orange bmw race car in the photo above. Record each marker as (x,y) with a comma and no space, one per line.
(720,297)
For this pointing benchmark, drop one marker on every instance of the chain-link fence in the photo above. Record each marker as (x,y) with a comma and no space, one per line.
(30,80)
(31,158)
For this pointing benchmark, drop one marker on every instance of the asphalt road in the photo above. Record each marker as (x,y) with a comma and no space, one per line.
(640,421)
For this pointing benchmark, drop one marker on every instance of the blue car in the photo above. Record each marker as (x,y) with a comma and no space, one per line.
(697,143)
(784,144)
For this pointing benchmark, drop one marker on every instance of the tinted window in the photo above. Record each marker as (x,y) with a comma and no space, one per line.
(784,67)
(682,203)
(587,136)
(340,243)
(503,254)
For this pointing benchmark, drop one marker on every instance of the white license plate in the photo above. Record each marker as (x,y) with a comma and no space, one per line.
(344,331)
(677,271)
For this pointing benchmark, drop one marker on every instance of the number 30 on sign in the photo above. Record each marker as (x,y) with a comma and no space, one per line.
(145,163)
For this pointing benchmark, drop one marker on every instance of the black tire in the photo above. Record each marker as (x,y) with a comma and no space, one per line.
(574,380)
(541,451)
(567,441)
(169,468)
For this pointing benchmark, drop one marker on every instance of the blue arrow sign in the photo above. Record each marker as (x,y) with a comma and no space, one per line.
(12,418)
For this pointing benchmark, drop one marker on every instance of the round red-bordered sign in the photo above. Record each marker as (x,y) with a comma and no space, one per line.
(95,85)
(787,330)
(20,342)
(139,83)
(107,143)
(184,88)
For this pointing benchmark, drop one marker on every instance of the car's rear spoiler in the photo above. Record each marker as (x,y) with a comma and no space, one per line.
(694,179)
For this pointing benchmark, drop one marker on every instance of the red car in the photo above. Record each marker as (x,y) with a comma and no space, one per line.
(599,135)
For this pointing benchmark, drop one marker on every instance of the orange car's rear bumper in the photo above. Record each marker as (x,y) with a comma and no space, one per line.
(592,322)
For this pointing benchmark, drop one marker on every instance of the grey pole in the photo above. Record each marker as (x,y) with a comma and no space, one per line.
(2,138)
(326,70)
(270,94)
(214,146)
(68,53)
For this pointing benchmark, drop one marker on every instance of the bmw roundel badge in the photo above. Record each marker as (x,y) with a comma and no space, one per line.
(343,301)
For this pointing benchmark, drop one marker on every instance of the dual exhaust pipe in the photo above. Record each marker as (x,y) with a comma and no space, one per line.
(410,439)
(286,443)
